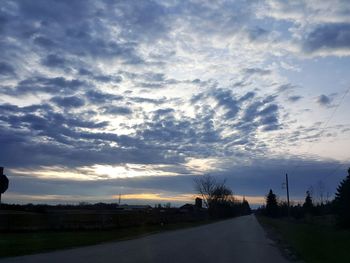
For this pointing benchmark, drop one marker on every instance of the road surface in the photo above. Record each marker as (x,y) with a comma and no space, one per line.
(235,240)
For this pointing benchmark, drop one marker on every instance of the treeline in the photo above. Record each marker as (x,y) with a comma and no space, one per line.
(219,199)
(42,208)
(339,206)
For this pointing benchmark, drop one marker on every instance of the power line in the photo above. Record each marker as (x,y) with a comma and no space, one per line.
(325,126)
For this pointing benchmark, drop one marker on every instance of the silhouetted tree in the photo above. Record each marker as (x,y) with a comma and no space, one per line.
(342,202)
(217,197)
(308,205)
(271,204)
(212,191)
(205,186)
(246,210)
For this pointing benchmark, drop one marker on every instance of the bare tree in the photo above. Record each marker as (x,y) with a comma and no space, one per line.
(205,186)
(212,191)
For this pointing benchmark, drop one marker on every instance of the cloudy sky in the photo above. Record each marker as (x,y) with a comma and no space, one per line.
(101,98)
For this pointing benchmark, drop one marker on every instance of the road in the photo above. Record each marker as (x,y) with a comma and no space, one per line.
(236,240)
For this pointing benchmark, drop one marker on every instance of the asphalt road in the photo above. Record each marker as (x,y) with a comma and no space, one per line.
(236,240)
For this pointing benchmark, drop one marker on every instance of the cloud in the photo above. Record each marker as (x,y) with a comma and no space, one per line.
(54,61)
(35,85)
(294,98)
(116,110)
(257,33)
(328,37)
(226,99)
(324,100)
(84,152)
(257,71)
(247,96)
(68,102)
(253,179)
(90,37)
(44,42)
(148,100)
(306,12)
(6,69)
(98,97)
(285,87)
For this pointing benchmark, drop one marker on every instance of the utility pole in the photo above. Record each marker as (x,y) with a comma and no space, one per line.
(287,186)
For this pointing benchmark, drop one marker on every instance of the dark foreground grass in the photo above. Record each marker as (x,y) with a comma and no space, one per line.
(16,244)
(313,243)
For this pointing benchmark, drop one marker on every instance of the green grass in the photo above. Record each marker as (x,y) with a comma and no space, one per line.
(312,242)
(16,244)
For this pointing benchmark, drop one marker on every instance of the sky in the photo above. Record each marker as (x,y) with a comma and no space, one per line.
(101,99)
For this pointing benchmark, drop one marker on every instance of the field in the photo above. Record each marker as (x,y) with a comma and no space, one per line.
(312,242)
(16,244)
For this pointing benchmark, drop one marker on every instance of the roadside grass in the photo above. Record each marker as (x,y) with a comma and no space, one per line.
(17,244)
(312,242)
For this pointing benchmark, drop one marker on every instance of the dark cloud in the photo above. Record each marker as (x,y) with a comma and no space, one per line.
(44,42)
(249,95)
(260,113)
(242,83)
(270,123)
(294,98)
(103,78)
(100,77)
(82,154)
(116,110)
(328,36)
(6,69)
(55,139)
(85,72)
(249,180)
(226,99)
(324,100)
(26,185)
(257,33)
(98,97)
(162,112)
(35,85)
(151,80)
(154,77)
(68,102)
(257,71)
(54,61)
(50,136)
(270,109)
(75,27)
(285,87)
(148,100)
(3,21)
(137,25)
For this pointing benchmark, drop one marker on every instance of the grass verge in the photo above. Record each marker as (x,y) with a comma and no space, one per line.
(17,244)
(313,243)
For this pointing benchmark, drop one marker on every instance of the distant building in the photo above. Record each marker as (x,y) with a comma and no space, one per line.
(198,206)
